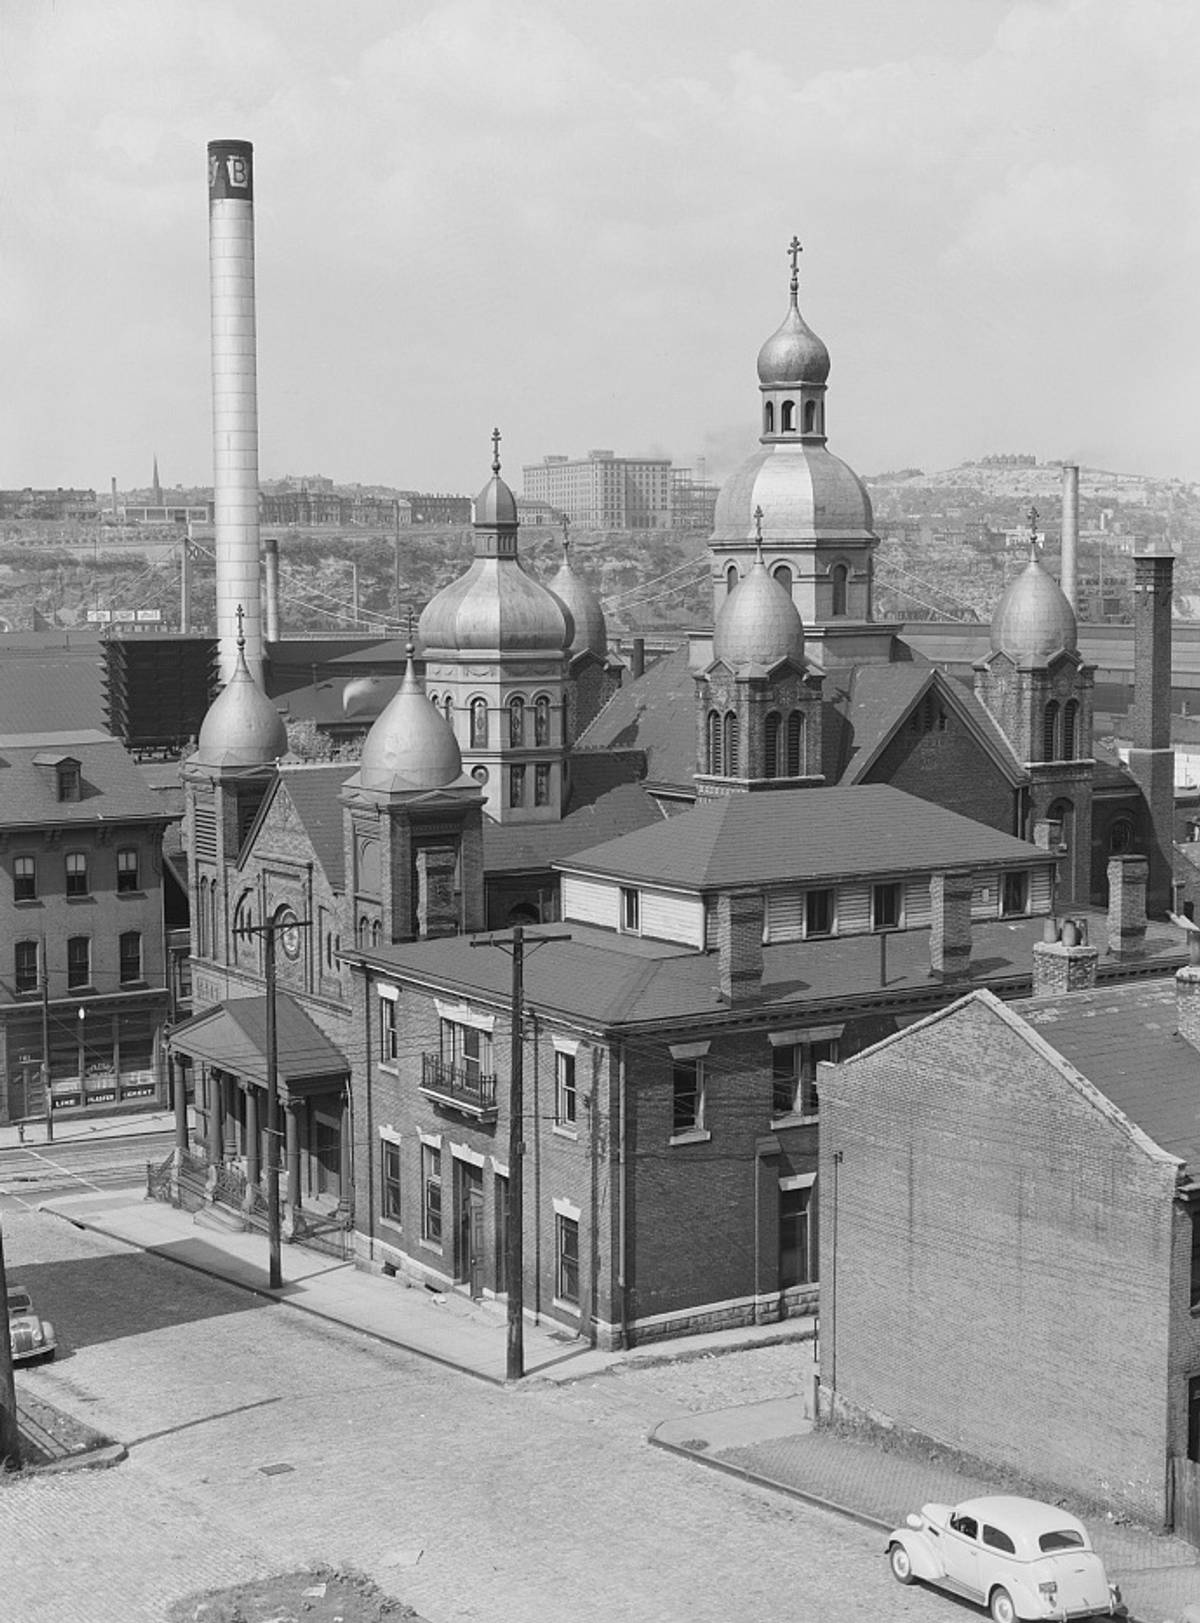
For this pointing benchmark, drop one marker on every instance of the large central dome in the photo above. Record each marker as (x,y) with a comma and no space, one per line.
(805,492)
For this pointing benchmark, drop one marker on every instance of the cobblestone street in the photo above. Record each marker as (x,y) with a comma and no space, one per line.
(464,1500)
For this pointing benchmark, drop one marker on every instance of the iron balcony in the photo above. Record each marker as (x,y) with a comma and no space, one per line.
(459,1087)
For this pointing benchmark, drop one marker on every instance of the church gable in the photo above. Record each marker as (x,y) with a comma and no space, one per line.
(936,755)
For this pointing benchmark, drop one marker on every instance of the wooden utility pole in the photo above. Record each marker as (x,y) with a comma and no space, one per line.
(268,931)
(48,1098)
(514,1260)
(10,1432)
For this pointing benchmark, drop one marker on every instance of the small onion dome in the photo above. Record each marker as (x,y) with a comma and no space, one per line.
(793,354)
(359,695)
(494,505)
(410,745)
(1033,619)
(803,490)
(242,727)
(572,590)
(495,606)
(758,623)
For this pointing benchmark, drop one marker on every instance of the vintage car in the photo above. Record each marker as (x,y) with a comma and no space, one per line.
(28,1335)
(1019,1558)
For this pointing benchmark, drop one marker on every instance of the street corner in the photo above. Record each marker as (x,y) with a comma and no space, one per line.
(52,1440)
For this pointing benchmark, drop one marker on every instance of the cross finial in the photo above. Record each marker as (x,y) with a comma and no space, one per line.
(1033,516)
(794,251)
(496,451)
(410,628)
(240,615)
(566,536)
(758,518)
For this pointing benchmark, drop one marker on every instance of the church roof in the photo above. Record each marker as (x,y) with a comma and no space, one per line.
(618,809)
(314,792)
(1033,619)
(654,714)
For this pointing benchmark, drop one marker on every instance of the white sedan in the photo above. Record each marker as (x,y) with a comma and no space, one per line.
(1017,1557)
(29,1335)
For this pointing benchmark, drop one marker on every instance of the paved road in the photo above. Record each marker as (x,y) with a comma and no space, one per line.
(261,1439)
(35,1171)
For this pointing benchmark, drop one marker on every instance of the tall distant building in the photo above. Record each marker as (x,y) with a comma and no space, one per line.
(604,492)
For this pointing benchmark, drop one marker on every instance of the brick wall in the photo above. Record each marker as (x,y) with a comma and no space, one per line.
(949,768)
(998,1253)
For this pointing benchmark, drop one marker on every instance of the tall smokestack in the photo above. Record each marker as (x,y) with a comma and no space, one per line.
(271,600)
(1070,532)
(1151,758)
(235,400)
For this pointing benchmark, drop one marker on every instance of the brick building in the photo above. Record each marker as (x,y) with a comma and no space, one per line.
(83,984)
(1007,1250)
(602,491)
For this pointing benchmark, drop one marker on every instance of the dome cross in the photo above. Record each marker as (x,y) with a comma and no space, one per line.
(795,249)
(758,546)
(496,451)
(239,616)
(1033,515)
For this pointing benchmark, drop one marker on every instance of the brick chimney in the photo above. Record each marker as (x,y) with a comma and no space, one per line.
(950,930)
(1059,968)
(739,944)
(1187,993)
(1127,880)
(1151,758)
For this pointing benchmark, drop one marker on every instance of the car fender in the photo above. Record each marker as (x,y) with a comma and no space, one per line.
(922,1552)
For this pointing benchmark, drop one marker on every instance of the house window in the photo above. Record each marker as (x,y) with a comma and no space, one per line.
(1196,1257)
(479,724)
(127,868)
(567,1282)
(885,906)
(1014,894)
(1120,837)
(785,1078)
(783,575)
(818,913)
(630,910)
(516,785)
(795,745)
(468,1049)
(810,416)
(516,720)
(68,780)
(77,874)
(541,785)
(687,1096)
(564,1090)
(431,1194)
(25,879)
(389,1180)
(131,956)
(79,961)
(813,1054)
(389,1035)
(797,1237)
(448,709)
(25,966)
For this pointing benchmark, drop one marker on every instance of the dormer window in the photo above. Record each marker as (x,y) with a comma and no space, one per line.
(66,774)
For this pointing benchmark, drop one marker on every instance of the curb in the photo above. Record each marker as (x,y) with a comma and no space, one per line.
(96,1459)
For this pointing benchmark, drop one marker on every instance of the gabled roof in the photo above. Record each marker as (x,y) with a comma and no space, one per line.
(314,793)
(112,787)
(803,835)
(533,847)
(879,700)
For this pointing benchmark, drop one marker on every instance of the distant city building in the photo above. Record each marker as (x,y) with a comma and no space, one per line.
(58,503)
(166,514)
(604,492)
(438,509)
(693,501)
(317,507)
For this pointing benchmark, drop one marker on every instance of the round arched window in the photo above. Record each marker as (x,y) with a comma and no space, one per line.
(288,933)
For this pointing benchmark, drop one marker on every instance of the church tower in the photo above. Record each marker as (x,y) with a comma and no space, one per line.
(225,782)
(758,703)
(496,645)
(817,527)
(1036,687)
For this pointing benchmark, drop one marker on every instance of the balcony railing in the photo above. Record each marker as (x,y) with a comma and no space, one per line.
(461,1087)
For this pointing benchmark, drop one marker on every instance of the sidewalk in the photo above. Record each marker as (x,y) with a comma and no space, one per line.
(72,1129)
(776,1445)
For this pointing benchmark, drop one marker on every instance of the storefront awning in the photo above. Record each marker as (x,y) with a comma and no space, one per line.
(232,1036)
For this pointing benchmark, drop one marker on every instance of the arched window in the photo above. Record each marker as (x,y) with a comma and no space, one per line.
(364,932)
(1070,712)
(376,933)
(731,577)
(202,939)
(243,942)
(1050,732)
(769,417)
(810,416)
(715,755)
(516,720)
(840,576)
(1120,837)
(783,575)
(795,745)
(771,744)
(448,710)
(541,719)
(787,417)
(479,724)
(731,744)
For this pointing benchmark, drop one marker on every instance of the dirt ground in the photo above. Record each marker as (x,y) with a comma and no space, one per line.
(319,1595)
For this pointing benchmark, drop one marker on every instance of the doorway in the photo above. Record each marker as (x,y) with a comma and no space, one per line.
(469,1239)
(501,1231)
(327,1156)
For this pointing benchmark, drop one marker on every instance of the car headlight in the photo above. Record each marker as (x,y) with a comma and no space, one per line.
(37,1336)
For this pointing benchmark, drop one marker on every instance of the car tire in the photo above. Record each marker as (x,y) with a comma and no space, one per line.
(901,1564)
(1001,1608)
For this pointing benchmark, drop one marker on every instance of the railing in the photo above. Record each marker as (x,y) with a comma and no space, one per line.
(229,1189)
(328,1234)
(459,1086)
(183,1182)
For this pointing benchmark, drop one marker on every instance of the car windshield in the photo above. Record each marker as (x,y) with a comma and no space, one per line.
(19,1301)
(1062,1538)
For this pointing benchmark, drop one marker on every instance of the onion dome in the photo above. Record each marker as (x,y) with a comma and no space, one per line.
(242,726)
(793,354)
(410,745)
(572,590)
(1033,620)
(495,606)
(758,623)
(805,493)
(360,695)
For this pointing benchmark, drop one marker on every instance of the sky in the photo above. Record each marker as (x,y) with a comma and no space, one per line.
(570,220)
